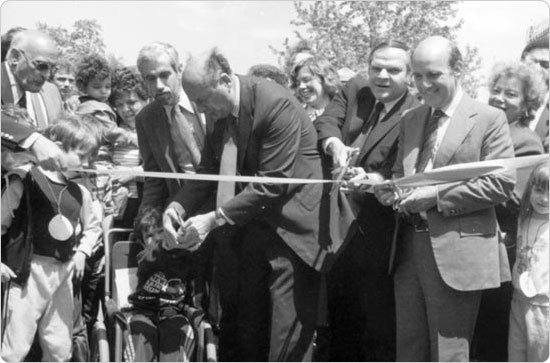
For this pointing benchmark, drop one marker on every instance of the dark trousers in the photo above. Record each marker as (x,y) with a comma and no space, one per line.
(277,301)
(434,321)
(158,339)
(361,302)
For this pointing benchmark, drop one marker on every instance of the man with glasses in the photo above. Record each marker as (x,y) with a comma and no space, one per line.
(537,51)
(29,63)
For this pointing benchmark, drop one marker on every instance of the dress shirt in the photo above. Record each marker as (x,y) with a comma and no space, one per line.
(17,93)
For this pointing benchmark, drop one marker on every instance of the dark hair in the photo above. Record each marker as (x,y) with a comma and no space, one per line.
(533,86)
(63,66)
(6,40)
(389,43)
(322,68)
(270,72)
(126,80)
(90,67)
(541,42)
(538,178)
(455,58)
(73,132)
(148,217)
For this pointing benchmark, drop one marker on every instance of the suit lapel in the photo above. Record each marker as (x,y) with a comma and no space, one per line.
(364,105)
(460,126)
(164,138)
(7,96)
(245,118)
(385,125)
(414,131)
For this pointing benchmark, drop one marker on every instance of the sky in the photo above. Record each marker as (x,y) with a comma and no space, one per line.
(244,30)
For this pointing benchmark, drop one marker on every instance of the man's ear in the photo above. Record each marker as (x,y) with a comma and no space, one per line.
(225,79)
(14,57)
(179,70)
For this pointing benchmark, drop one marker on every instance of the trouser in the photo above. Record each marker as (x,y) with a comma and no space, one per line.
(434,321)
(362,303)
(44,303)
(278,299)
(159,338)
(528,337)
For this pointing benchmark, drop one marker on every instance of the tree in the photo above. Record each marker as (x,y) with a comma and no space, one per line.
(85,37)
(345,31)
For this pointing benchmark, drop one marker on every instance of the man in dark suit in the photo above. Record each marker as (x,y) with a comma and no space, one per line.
(537,52)
(25,72)
(29,61)
(259,129)
(365,116)
(169,141)
(449,251)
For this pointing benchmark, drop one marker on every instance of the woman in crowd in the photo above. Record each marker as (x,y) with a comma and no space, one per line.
(128,97)
(518,89)
(316,83)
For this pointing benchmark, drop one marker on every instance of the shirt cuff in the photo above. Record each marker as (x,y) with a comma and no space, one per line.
(222,214)
(27,143)
(326,143)
(178,208)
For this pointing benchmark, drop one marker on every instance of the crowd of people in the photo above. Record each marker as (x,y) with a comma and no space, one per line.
(283,271)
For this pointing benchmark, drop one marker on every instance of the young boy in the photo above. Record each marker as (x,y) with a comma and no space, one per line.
(48,230)
(158,327)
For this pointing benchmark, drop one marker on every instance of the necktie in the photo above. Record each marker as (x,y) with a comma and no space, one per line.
(182,131)
(430,138)
(41,119)
(360,141)
(228,163)
(23,101)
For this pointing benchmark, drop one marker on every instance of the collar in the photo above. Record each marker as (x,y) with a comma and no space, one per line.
(15,88)
(237,90)
(183,102)
(450,109)
(388,106)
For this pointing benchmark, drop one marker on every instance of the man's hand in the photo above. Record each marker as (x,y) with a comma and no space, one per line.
(79,261)
(385,193)
(7,273)
(196,229)
(340,153)
(172,220)
(420,200)
(48,154)
(356,174)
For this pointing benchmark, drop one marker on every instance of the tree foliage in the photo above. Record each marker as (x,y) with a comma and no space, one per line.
(345,31)
(85,37)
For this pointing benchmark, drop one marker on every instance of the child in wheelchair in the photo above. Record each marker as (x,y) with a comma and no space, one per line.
(159,327)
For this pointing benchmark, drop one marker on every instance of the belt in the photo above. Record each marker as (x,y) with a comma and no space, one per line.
(416,221)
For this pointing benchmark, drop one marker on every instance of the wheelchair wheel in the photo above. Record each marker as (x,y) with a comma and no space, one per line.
(99,344)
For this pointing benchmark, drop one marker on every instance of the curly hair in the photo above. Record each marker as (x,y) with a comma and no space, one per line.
(90,67)
(322,68)
(73,132)
(126,80)
(269,71)
(532,82)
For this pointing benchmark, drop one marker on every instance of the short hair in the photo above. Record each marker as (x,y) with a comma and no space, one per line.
(153,50)
(17,114)
(270,72)
(390,43)
(148,217)
(64,66)
(455,58)
(126,80)
(90,67)
(541,42)
(215,64)
(532,84)
(322,68)
(73,133)
(7,38)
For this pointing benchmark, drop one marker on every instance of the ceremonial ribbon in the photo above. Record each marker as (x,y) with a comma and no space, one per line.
(446,174)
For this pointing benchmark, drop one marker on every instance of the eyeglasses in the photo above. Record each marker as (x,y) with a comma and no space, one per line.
(39,65)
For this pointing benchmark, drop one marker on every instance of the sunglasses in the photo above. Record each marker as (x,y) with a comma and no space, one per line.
(39,65)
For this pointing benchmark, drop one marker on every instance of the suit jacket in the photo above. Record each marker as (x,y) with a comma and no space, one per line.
(343,118)
(276,139)
(463,231)
(158,154)
(49,92)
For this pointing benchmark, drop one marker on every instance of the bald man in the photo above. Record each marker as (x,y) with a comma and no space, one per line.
(29,61)
(449,251)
